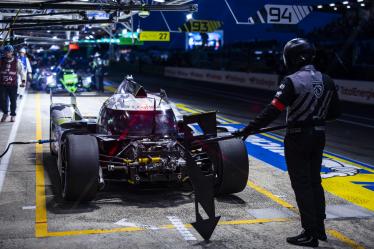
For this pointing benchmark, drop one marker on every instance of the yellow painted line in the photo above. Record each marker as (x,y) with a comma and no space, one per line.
(273,137)
(228,120)
(268,194)
(110,88)
(247,222)
(185,108)
(354,193)
(195,110)
(94,231)
(41,226)
(344,239)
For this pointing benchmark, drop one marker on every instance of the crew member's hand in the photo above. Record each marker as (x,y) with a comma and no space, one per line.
(244,132)
(23,83)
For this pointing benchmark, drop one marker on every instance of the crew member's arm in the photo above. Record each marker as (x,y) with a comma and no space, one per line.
(334,109)
(22,73)
(283,98)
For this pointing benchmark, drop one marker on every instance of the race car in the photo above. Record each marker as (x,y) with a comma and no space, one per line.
(66,80)
(44,79)
(140,137)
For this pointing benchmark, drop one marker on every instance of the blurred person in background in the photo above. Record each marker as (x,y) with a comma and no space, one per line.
(98,69)
(10,69)
(27,70)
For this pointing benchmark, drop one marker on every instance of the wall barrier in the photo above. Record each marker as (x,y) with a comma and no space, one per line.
(349,90)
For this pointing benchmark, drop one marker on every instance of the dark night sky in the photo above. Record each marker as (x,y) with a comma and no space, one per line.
(217,10)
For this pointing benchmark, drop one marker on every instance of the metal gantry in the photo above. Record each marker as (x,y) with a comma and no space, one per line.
(26,17)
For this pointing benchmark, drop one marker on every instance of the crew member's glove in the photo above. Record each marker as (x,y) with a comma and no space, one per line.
(244,132)
(23,83)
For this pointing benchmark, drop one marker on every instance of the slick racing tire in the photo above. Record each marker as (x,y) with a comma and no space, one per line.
(51,137)
(231,166)
(80,177)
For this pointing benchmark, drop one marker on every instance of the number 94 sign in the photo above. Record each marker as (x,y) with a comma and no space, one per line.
(284,14)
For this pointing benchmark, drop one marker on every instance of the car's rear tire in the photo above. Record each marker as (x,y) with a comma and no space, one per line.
(231,166)
(80,177)
(51,137)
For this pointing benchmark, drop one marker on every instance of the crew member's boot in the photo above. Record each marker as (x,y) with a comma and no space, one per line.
(5,116)
(321,233)
(12,118)
(304,239)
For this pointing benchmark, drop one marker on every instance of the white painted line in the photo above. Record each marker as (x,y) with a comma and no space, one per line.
(28,207)
(187,235)
(4,162)
(125,223)
(260,16)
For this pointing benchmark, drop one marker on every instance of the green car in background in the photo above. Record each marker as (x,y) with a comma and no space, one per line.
(68,80)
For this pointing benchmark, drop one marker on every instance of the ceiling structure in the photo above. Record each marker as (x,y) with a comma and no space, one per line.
(54,21)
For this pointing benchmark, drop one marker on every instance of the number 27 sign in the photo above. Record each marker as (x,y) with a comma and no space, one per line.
(286,14)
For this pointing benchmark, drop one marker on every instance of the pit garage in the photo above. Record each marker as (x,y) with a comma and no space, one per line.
(212,67)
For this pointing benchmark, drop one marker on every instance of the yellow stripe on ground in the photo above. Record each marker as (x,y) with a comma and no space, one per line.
(110,88)
(344,239)
(185,108)
(95,231)
(247,222)
(41,226)
(195,110)
(344,188)
(273,137)
(270,195)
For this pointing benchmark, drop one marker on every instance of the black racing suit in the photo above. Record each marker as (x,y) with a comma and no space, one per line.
(311,99)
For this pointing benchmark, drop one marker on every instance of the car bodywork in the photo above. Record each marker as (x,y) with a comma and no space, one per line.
(140,137)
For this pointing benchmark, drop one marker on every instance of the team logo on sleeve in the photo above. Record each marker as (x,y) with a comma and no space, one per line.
(318,88)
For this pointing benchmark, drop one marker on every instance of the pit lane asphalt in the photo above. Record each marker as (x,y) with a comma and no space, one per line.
(55,224)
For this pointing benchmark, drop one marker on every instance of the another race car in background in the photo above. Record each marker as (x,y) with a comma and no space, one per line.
(140,137)
(62,81)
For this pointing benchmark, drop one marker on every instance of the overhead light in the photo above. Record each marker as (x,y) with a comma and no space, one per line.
(91,36)
(346,2)
(363,5)
(359,1)
(87,37)
(54,37)
(189,16)
(48,31)
(320,6)
(335,8)
(348,7)
(332,4)
(159,1)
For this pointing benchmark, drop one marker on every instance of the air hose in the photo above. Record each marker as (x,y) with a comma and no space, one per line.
(40,141)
